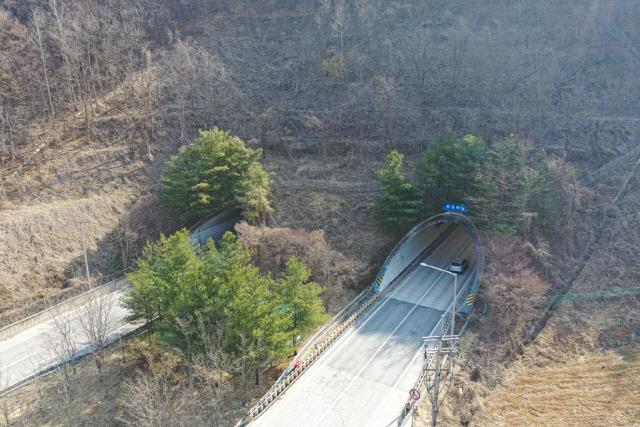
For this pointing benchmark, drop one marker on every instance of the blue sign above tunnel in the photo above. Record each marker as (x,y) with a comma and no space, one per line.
(455,207)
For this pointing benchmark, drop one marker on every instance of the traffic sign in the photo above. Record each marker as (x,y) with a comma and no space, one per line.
(455,207)
(414,394)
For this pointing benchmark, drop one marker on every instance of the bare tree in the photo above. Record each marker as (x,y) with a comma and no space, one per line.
(64,349)
(386,90)
(60,33)
(338,24)
(127,238)
(97,325)
(211,367)
(153,400)
(7,138)
(37,38)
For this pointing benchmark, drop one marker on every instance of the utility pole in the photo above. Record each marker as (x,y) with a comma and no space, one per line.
(442,346)
(84,249)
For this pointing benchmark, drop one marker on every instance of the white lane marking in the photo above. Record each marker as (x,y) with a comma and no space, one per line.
(404,372)
(330,408)
(410,364)
(343,340)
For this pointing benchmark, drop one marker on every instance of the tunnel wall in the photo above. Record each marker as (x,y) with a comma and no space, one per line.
(404,254)
(215,227)
(416,241)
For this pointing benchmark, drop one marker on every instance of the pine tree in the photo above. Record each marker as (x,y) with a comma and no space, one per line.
(221,290)
(168,270)
(446,171)
(399,205)
(301,297)
(216,172)
(500,194)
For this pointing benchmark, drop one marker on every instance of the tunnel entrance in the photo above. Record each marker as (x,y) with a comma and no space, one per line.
(426,237)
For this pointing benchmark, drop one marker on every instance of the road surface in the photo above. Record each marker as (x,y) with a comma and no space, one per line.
(364,378)
(39,347)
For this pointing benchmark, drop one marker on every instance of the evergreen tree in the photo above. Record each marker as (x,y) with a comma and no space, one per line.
(301,297)
(544,196)
(500,194)
(399,204)
(168,270)
(216,172)
(446,171)
(222,290)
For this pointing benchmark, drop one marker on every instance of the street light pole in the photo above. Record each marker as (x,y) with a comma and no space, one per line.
(84,249)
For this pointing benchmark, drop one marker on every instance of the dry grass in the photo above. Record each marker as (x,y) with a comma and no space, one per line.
(584,367)
(556,384)
(106,398)
(44,196)
(39,244)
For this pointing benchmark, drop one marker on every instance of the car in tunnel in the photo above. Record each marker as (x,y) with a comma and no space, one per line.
(458,266)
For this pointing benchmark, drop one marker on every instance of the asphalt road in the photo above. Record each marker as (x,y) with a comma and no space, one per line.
(39,347)
(364,378)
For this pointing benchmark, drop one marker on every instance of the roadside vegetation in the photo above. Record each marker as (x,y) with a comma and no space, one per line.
(509,187)
(217,171)
(196,294)
(96,96)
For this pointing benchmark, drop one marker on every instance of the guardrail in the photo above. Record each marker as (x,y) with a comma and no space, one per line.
(327,336)
(41,304)
(311,342)
(290,375)
(79,358)
(198,231)
(15,328)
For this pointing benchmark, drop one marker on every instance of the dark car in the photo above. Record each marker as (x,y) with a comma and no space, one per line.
(458,266)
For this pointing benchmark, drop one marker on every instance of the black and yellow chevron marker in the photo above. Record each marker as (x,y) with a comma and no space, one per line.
(470,299)
(379,279)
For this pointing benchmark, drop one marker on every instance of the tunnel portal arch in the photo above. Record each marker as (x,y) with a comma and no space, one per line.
(409,249)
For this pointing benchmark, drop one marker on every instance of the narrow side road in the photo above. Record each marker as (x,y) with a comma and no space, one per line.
(41,347)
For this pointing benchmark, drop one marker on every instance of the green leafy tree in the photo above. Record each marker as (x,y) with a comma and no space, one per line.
(168,270)
(301,297)
(220,289)
(447,170)
(216,172)
(501,189)
(399,204)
